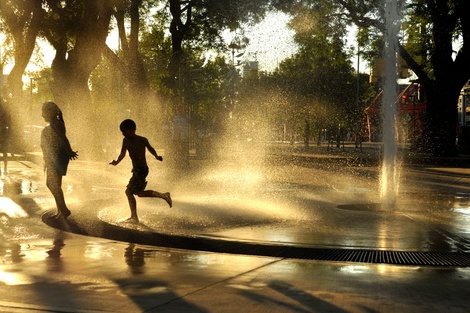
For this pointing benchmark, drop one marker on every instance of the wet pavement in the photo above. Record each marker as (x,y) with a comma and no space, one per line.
(97,262)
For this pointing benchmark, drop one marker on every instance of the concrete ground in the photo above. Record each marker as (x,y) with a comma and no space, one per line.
(97,262)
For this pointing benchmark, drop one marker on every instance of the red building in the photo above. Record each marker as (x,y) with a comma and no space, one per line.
(410,104)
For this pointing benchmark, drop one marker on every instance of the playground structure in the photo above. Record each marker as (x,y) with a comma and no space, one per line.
(410,104)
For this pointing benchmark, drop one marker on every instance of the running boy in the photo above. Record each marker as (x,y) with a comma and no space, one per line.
(136,146)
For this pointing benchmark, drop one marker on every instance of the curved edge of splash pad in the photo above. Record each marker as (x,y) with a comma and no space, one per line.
(94,227)
(137,233)
(367,207)
(98,228)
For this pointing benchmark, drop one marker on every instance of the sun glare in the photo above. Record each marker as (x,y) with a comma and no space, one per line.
(11,209)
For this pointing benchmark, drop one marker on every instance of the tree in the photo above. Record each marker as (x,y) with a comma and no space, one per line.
(430,27)
(22,20)
(128,61)
(320,77)
(204,21)
(77,30)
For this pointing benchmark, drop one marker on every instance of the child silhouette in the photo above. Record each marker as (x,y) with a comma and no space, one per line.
(57,153)
(136,146)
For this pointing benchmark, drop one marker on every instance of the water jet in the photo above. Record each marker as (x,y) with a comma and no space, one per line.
(390,165)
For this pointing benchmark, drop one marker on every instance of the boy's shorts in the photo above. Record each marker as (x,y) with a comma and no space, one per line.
(137,183)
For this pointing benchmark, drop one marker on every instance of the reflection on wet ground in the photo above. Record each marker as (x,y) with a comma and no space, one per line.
(16,186)
(119,277)
(296,208)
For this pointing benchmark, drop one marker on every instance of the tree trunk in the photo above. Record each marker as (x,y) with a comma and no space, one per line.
(24,23)
(441,118)
(71,71)
(129,63)
(178,30)
(138,84)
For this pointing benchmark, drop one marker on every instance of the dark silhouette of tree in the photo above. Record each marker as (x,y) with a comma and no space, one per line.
(129,61)
(430,28)
(77,30)
(203,22)
(22,20)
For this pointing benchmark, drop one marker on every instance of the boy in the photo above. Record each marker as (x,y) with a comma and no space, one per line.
(136,146)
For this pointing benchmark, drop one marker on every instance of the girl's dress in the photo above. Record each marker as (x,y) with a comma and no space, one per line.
(56,148)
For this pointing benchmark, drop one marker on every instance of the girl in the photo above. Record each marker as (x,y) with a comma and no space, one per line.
(57,153)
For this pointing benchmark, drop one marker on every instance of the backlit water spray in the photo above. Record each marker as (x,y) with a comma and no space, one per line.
(390,168)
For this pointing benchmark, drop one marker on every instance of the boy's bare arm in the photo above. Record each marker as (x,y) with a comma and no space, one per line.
(120,157)
(153,152)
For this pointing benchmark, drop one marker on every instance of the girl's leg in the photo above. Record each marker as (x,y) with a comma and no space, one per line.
(54,183)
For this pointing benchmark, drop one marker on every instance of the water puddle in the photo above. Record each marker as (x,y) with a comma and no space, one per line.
(14,186)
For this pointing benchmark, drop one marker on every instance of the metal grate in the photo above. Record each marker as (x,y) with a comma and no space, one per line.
(351,255)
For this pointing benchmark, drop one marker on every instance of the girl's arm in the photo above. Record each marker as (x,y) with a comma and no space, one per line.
(59,128)
(72,154)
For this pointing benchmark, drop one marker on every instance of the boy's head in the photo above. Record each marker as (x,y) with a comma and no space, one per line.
(127,127)
(127,124)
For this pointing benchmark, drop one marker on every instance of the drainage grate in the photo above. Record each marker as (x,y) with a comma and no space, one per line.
(353,255)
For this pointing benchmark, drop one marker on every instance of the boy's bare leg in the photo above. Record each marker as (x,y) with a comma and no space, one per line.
(132,205)
(155,194)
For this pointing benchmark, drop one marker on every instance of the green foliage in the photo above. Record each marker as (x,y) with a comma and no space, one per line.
(320,76)
(155,49)
(429,30)
(318,81)
(40,85)
(318,84)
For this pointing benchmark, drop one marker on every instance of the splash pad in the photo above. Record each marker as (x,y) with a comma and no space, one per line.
(319,215)
(281,205)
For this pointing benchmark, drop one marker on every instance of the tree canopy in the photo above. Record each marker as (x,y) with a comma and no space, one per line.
(429,30)
(164,56)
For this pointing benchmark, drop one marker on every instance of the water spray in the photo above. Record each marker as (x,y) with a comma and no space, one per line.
(390,169)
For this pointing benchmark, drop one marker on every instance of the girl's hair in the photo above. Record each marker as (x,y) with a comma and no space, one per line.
(57,122)
(53,110)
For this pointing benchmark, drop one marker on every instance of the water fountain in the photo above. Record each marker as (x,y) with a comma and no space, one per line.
(241,196)
(241,190)
(311,254)
(390,167)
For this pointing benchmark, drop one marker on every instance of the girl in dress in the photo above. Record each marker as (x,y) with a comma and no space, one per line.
(57,153)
